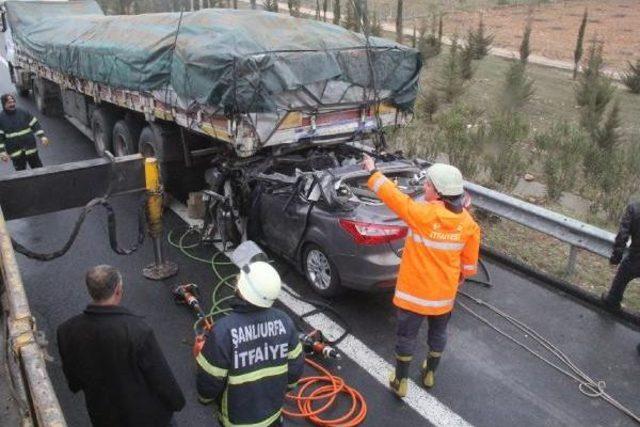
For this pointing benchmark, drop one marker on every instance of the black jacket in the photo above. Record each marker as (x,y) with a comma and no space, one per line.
(248,362)
(113,356)
(629,228)
(17,130)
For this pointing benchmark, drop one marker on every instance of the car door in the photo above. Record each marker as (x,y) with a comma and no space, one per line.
(283,214)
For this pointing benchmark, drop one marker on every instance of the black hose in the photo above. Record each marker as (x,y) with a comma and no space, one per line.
(111,225)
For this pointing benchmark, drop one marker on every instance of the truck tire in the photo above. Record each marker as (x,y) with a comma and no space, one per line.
(21,91)
(163,143)
(102,123)
(47,97)
(125,137)
(18,82)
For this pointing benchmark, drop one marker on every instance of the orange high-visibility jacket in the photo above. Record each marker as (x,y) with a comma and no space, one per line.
(441,247)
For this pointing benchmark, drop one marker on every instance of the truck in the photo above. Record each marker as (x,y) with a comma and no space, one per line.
(221,97)
(185,85)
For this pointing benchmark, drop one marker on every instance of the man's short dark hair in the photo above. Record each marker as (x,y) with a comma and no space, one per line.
(102,281)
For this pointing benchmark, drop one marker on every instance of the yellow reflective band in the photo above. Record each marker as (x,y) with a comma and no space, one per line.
(20,133)
(258,375)
(404,358)
(29,152)
(435,244)
(421,301)
(33,122)
(378,183)
(1,132)
(293,354)
(209,368)
(292,385)
(39,133)
(224,406)
(1,146)
(16,153)
(204,400)
(469,267)
(265,423)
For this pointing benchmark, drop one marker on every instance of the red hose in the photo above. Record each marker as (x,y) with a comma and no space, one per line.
(323,390)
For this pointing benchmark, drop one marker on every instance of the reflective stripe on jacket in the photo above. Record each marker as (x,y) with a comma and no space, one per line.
(17,130)
(247,364)
(441,246)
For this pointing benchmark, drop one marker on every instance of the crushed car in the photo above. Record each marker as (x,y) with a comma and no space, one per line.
(312,207)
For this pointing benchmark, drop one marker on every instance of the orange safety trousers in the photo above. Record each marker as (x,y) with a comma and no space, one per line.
(441,249)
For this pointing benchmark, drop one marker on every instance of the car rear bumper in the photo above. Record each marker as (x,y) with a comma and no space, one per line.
(375,271)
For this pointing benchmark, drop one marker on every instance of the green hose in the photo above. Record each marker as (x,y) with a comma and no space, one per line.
(216,302)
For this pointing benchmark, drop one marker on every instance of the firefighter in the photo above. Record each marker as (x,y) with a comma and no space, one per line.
(629,265)
(253,356)
(440,251)
(18,130)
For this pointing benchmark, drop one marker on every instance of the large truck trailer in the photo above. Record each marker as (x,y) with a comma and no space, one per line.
(183,85)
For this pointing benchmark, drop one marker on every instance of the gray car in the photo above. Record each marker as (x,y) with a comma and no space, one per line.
(314,209)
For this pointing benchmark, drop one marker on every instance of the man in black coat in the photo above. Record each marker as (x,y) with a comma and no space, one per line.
(18,132)
(629,265)
(113,357)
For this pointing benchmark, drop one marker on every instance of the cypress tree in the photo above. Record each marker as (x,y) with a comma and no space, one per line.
(577,54)
(399,23)
(336,12)
(524,46)
(631,78)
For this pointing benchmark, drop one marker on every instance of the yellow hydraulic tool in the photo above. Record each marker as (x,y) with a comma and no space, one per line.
(161,268)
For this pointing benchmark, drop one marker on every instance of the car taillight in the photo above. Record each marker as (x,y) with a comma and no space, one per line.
(365,233)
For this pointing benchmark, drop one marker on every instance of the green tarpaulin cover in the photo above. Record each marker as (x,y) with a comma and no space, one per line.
(234,60)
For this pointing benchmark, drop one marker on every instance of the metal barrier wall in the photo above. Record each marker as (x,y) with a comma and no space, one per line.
(577,234)
(28,372)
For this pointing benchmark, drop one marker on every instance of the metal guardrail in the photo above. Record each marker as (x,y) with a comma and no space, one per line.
(30,371)
(577,234)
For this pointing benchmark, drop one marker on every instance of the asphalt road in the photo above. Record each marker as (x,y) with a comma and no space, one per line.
(484,378)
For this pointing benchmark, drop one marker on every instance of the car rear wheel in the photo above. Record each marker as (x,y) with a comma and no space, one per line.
(320,271)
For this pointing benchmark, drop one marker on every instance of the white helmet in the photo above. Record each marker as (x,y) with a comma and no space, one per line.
(259,284)
(446,179)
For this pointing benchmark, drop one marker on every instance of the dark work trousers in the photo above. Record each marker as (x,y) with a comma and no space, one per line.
(628,270)
(409,325)
(20,161)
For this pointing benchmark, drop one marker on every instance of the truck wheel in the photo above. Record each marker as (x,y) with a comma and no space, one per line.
(160,141)
(38,95)
(18,82)
(102,124)
(125,138)
(47,97)
(21,91)
(320,271)
(163,143)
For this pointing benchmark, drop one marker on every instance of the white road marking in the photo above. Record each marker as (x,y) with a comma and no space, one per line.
(417,398)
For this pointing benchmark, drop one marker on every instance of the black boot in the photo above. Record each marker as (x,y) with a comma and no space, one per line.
(398,379)
(429,367)
(606,301)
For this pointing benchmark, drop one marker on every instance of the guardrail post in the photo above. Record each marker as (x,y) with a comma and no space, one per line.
(571,262)
(161,268)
